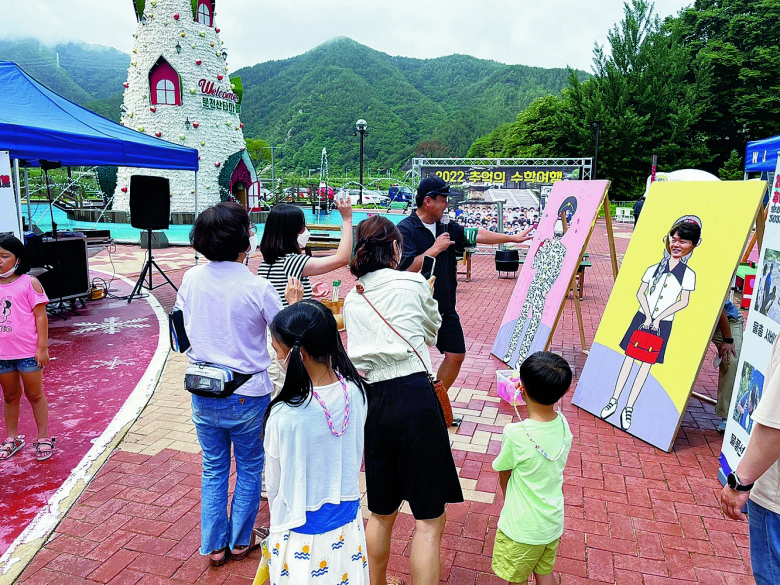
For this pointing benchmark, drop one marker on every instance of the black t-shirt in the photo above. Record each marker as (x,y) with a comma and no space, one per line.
(418,239)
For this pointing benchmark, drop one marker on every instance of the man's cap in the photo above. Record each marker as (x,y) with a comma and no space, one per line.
(433,186)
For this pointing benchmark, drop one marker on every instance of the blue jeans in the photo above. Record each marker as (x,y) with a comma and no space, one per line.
(220,422)
(764,544)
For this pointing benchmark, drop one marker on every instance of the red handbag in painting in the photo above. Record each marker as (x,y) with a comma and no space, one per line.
(644,346)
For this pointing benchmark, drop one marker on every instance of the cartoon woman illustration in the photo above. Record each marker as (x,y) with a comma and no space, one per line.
(746,405)
(547,264)
(666,289)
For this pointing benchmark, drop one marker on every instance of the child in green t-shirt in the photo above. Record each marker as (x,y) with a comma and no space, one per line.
(530,468)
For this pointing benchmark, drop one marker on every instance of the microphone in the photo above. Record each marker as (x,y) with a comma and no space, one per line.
(445,220)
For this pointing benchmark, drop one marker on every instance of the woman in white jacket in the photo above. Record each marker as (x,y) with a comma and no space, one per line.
(408,455)
(314,447)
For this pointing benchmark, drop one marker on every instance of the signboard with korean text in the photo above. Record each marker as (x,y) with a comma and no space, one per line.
(9,212)
(547,272)
(663,309)
(507,177)
(763,325)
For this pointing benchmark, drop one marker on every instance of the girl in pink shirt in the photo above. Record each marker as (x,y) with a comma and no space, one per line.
(24,340)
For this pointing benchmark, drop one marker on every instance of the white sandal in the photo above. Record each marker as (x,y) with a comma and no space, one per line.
(11,446)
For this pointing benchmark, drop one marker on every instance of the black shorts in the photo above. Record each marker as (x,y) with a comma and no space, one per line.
(451,339)
(407,450)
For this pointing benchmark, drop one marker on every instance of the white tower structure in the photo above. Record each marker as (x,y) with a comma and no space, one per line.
(178,90)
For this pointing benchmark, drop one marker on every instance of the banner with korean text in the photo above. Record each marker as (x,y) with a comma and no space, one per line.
(763,325)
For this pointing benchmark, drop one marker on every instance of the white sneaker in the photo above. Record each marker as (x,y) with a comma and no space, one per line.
(625,417)
(609,409)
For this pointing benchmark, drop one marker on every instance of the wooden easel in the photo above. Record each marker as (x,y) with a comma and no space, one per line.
(758,235)
(573,285)
(756,238)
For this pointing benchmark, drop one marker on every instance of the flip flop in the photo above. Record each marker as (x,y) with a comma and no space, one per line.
(258,536)
(11,446)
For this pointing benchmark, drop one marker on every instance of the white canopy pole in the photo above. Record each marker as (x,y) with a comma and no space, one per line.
(18,197)
(27,190)
(196,211)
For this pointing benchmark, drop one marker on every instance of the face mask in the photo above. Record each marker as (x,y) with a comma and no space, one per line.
(286,361)
(303,238)
(252,247)
(10,272)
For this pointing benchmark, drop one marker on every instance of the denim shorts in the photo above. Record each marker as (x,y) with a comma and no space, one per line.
(23,365)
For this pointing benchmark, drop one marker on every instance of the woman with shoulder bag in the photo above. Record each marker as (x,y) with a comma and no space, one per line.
(226,311)
(391,319)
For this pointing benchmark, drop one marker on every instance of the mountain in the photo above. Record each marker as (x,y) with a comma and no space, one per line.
(434,107)
(90,75)
(312,101)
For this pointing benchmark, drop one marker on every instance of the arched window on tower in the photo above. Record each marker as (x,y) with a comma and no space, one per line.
(205,12)
(164,84)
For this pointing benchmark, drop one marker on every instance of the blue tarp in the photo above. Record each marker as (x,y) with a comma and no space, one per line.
(36,123)
(761,155)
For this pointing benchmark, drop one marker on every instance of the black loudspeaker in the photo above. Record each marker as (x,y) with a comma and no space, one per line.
(73,278)
(150,202)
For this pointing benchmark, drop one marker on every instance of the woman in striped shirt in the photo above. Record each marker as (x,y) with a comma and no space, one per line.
(284,241)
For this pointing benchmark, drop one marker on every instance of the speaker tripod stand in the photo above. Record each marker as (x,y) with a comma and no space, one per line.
(149,265)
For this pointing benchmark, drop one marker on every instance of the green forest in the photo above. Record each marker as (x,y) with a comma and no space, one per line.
(692,89)
(434,107)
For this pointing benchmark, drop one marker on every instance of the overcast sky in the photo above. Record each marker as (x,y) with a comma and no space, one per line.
(544,33)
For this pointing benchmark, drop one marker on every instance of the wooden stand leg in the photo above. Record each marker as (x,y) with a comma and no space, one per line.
(611,237)
(578,310)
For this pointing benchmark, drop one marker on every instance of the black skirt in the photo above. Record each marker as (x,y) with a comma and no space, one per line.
(407,449)
(664,332)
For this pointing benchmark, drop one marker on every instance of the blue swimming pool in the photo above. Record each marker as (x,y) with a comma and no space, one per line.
(177,234)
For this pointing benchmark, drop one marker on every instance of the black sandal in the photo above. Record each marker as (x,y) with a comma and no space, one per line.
(220,561)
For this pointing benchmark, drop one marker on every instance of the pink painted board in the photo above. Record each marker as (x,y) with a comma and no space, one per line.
(551,262)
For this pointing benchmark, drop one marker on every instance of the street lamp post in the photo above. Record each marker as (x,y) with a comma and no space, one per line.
(361,128)
(597,125)
(273,166)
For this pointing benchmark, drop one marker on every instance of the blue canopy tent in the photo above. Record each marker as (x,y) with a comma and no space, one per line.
(761,155)
(36,123)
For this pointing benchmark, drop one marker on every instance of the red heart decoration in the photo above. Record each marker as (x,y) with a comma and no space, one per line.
(242,125)
(158,134)
(216,164)
(176,16)
(198,62)
(153,109)
(124,189)
(195,124)
(220,77)
(216,30)
(126,84)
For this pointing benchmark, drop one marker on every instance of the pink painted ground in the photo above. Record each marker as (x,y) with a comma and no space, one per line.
(97,361)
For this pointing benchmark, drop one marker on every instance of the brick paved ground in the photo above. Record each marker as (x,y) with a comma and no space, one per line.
(634,514)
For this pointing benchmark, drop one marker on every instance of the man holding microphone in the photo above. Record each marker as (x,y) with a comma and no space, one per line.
(428,232)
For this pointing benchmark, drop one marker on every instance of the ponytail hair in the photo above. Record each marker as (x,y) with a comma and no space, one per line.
(374,246)
(310,325)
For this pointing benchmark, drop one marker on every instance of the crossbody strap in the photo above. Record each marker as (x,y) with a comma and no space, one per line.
(361,291)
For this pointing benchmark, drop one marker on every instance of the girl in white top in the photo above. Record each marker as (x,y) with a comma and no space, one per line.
(664,291)
(314,449)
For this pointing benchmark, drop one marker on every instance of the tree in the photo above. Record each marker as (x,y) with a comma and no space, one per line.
(433,148)
(258,150)
(732,170)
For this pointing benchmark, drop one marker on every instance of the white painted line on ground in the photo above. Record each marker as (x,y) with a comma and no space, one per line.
(58,505)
